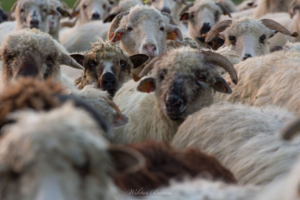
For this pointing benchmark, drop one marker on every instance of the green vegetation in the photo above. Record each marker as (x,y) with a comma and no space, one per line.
(7,4)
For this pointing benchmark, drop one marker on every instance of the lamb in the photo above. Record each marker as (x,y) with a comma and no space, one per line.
(248,36)
(248,146)
(182,84)
(202,16)
(279,88)
(164,162)
(76,147)
(136,31)
(24,54)
(107,66)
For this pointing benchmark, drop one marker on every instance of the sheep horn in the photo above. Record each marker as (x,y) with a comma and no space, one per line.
(67,60)
(271,24)
(115,24)
(186,8)
(215,30)
(151,64)
(290,130)
(221,61)
(225,9)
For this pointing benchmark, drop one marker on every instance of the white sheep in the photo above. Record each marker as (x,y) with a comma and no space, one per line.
(24,54)
(144,30)
(243,139)
(181,84)
(279,87)
(248,36)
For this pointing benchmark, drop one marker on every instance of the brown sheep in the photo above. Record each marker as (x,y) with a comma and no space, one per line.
(164,162)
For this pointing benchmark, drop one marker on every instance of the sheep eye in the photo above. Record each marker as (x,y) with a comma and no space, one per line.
(202,77)
(84,6)
(123,63)
(92,63)
(129,29)
(22,10)
(50,60)
(162,28)
(232,39)
(262,39)
(104,6)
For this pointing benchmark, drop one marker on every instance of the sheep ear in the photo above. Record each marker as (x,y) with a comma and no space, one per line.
(75,13)
(147,85)
(221,86)
(125,159)
(115,36)
(184,17)
(110,18)
(139,62)
(78,57)
(174,33)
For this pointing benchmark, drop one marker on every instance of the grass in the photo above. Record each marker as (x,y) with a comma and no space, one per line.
(7,4)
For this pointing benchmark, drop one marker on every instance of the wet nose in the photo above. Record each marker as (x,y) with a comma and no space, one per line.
(96,16)
(166,10)
(174,105)
(109,81)
(246,56)
(34,23)
(205,28)
(149,49)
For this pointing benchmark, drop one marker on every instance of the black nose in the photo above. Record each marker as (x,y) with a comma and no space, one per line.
(174,107)
(109,81)
(247,56)
(28,71)
(166,10)
(34,24)
(96,16)
(205,28)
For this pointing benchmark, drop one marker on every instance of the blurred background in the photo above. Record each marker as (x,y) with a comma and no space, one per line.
(7,4)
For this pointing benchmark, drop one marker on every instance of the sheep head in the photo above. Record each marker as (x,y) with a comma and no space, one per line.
(248,36)
(70,160)
(184,80)
(32,53)
(143,30)
(89,10)
(202,16)
(106,66)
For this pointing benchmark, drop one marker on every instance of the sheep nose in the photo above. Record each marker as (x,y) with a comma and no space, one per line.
(34,24)
(247,56)
(205,28)
(174,107)
(166,10)
(109,81)
(96,16)
(149,49)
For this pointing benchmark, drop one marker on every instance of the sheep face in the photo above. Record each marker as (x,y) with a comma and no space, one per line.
(31,53)
(248,37)
(32,14)
(183,83)
(144,31)
(89,10)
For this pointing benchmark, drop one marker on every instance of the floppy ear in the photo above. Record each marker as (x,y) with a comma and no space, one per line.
(147,85)
(125,159)
(174,33)
(221,86)
(78,57)
(184,17)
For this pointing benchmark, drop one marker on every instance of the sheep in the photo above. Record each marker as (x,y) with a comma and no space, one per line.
(107,66)
(248,36)
(271,6)
(164,162)
(79,155)
(135,30)
(3,16)
(24,54)
(248,146)
(184,80)
(203,15)
(278,88)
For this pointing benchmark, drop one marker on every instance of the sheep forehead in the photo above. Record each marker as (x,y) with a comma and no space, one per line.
(107,51)
(25,39)
(184,61)
(247,25)
(74,132)
(144,12)
(210,4)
